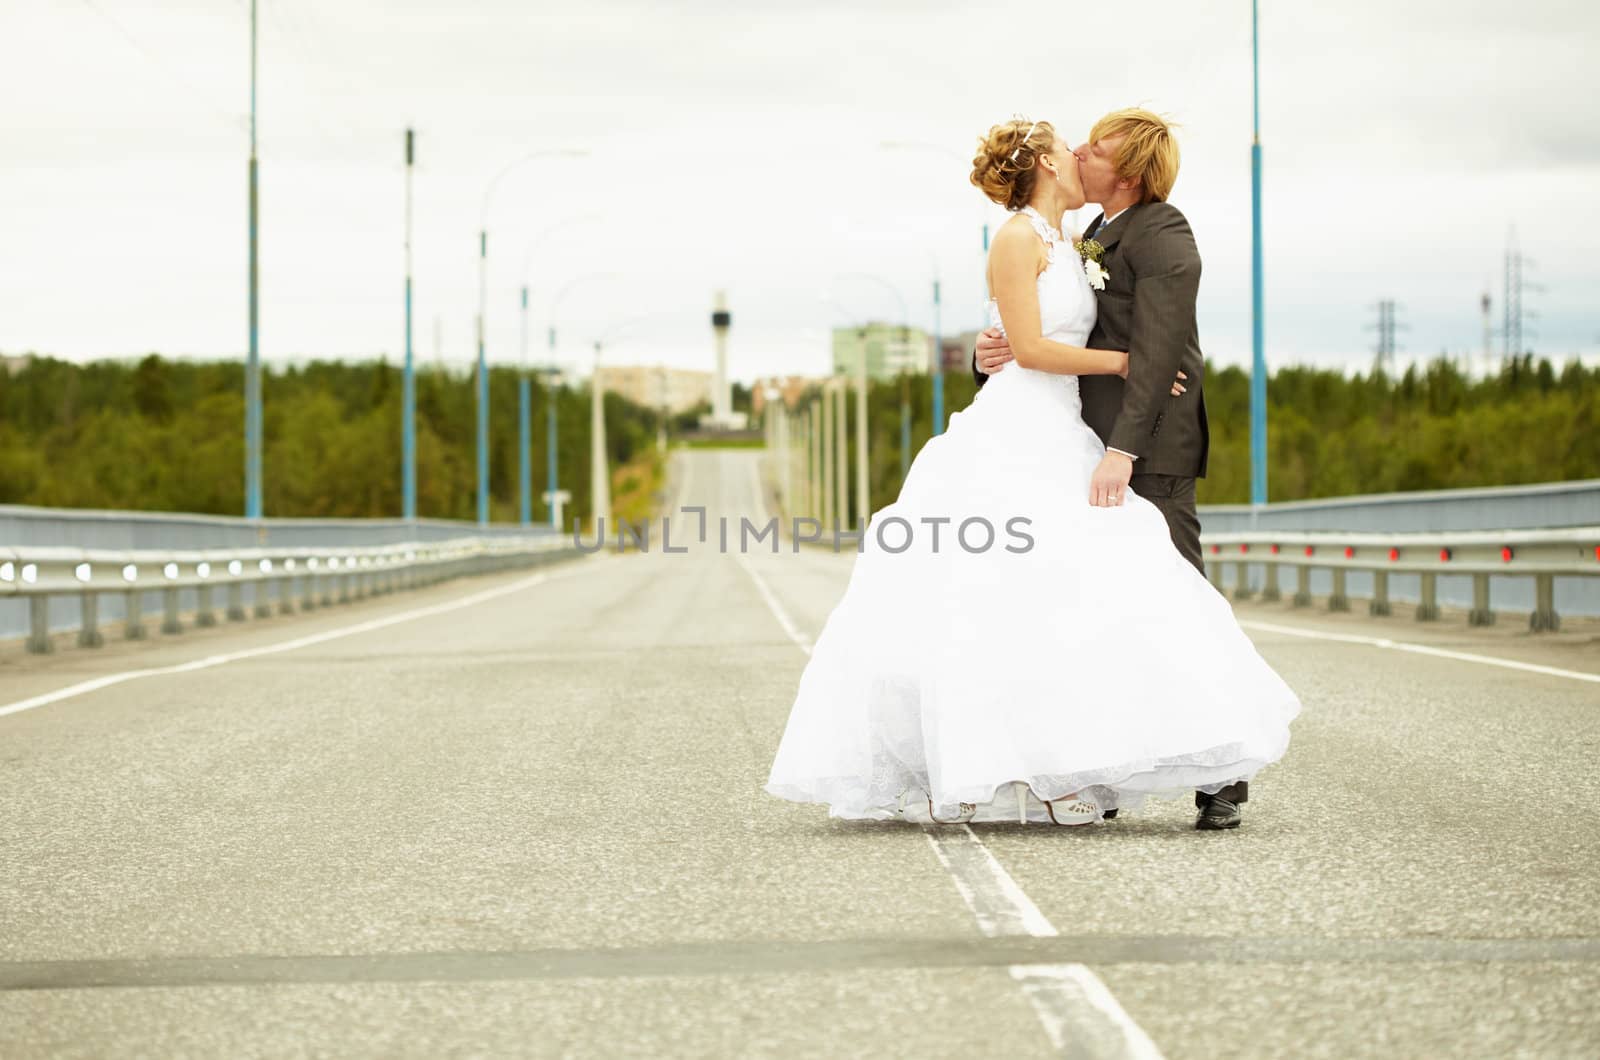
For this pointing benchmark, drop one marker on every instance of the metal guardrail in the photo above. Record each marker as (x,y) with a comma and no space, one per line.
(1542,555)
(1540,506)
(319,576)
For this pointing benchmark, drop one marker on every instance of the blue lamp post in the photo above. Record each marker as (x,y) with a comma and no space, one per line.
(483,287)
(1258,368)
(408,400)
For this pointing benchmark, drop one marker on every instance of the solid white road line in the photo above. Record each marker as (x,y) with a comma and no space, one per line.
(1079,1014)
(1421,649)
(95,684)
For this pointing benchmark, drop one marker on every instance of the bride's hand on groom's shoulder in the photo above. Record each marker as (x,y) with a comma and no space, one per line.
(993,351)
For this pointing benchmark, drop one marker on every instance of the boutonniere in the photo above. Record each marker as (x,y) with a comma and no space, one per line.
(1092,254)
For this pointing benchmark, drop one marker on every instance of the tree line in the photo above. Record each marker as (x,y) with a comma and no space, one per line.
(165,435)
(1333,434)
(168,435)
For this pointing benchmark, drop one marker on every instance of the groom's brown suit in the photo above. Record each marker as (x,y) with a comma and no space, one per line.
(1148,309)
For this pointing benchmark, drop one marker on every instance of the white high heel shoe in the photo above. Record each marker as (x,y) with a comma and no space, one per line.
(1075,809)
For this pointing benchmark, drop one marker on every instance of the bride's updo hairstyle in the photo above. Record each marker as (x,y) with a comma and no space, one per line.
(1006,165)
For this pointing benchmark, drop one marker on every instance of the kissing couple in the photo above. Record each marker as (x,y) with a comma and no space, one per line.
(1075,679)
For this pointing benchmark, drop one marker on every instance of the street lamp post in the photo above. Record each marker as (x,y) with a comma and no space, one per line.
(938,352)
(842,449)
(825,451)
(408,400)
(524,412)
(863,509)
(483,295)
(553,494)
(524,427)
(1258,365)
(252,371)
(599,473)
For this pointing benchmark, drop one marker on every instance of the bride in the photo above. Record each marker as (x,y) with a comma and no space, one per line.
(1005,650)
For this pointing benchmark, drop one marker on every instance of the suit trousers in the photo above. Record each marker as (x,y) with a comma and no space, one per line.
(1173,496)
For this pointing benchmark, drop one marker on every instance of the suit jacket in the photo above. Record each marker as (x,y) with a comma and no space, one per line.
(1148,309)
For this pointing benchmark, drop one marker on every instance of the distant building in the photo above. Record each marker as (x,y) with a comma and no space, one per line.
(15,363)
(791,388)
(679,389)
(957,351)
(890,350)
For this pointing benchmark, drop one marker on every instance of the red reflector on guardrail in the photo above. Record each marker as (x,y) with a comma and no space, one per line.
(1309,550)
(1215,549)
(1244,548)
(1596,551)
(1506,554)
(1444,555)
(1394,554)
(1349,553)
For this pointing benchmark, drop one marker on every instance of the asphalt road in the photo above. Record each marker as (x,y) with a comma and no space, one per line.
(527,819)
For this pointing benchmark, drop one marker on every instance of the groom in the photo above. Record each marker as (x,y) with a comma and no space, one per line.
(1156,444)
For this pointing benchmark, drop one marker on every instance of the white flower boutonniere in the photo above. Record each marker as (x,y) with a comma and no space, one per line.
(1092,254)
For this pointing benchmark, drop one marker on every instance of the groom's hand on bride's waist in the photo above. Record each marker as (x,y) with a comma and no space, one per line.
(993,351)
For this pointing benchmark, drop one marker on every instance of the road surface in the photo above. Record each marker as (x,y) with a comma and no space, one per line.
(521,814)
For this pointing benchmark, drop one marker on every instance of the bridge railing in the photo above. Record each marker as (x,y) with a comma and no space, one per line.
(317,577)
(1542,555)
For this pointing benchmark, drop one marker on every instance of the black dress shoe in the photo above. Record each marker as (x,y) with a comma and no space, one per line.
(1217,814)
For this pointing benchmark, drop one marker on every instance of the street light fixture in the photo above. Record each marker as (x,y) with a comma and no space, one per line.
(938,340)
(905,398)
(524,413)
(483,288)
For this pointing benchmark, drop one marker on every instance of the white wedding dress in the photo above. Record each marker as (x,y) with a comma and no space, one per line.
(1097,660)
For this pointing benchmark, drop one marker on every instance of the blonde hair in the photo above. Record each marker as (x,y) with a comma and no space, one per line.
(1149,154)
(1006,165)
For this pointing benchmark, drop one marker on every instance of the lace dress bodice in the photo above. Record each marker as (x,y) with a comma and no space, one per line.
(1066,307)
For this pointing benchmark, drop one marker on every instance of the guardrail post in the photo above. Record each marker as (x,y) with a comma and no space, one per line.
(258,599)
(1544,618)
(1241,581)
(286,595)
(1480,615)
(1302,591)
(89,635)
(204,616)
(308,591)
(39,625)
(344,588)
(1338,601)
(1428,609)
(1269,589)
(326,600)
(1214,574)
(169,619)
(1380,594)
(133,624)
(235,602)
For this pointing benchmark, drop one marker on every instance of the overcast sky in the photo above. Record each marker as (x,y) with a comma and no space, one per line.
(738,146)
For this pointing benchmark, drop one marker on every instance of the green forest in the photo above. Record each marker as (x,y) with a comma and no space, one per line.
(167,435)
(1331,434)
